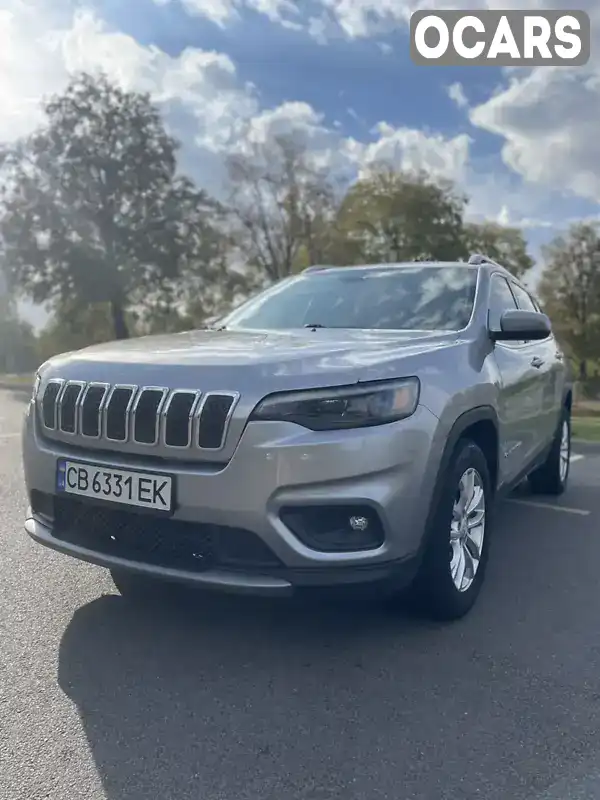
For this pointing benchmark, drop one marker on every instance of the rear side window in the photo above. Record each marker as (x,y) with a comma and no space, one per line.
(524,299)
(501,300)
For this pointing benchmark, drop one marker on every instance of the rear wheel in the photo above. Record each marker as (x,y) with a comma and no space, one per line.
(454,563)
(552,477)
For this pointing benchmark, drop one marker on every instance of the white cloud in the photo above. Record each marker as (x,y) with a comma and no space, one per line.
(222,11)
(457,94)
(545,118)
(410,149)
(548,121)
(208,108)
(203,100)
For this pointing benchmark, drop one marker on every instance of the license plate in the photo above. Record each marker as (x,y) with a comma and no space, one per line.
(129,487)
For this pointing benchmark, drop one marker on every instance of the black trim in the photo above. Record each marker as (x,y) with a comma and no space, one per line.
(461,424)
(509,486)
(379,580)
(471,417)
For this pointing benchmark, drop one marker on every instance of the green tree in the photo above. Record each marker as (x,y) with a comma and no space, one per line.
(92,206)
(570,291)
(399,216)
(282,206)
(506,245)
(17,339)
(74,325)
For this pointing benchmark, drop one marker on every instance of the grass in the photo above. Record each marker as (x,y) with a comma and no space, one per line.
(16,381)
(586,427)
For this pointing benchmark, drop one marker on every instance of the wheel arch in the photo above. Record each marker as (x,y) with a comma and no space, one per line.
(479,424)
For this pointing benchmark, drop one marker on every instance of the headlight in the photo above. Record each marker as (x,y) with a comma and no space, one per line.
(359,406)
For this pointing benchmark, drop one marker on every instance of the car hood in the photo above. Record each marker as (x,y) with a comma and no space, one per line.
(277,359)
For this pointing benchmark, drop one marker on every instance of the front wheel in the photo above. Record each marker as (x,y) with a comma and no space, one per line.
(552,477)
(454,563)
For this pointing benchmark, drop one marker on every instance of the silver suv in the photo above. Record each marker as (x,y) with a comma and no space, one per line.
(349,428)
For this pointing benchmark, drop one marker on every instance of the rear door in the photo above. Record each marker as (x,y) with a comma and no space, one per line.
(545,358)
(519,391)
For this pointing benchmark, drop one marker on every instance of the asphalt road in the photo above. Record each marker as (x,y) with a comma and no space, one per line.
(233,699)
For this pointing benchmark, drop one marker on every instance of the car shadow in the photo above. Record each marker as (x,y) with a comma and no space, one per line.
(201,692)
(228,698)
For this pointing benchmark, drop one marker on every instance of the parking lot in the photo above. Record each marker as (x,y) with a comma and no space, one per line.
(227,699)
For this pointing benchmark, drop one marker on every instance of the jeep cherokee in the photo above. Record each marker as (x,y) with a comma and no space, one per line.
(349,427)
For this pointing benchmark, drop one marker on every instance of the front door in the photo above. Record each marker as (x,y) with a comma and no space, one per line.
(547,360)
(520,389)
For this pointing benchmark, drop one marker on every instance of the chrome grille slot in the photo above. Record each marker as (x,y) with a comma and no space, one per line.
(91,410)
(68,406)
(116,415)
(179,414)
(146,415)
(215,414)
(140,416)
(50,405)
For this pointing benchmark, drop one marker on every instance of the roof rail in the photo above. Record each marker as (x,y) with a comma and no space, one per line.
(477,259)
(316,267)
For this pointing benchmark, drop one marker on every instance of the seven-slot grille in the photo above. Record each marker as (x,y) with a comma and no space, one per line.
(146,415)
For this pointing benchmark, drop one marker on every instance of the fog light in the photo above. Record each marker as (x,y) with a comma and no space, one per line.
(334,529)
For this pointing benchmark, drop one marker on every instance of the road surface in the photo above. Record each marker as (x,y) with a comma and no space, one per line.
(235,699)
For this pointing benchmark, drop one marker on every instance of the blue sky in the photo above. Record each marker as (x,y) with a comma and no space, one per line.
(522,144)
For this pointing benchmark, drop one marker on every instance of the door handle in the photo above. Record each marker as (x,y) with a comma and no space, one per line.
(537,362)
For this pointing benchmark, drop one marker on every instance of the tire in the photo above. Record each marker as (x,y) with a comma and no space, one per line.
(135,586)
(435,591)
(553,476)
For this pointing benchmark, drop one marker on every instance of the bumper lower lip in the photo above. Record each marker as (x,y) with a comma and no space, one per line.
(213,579)
(382,578)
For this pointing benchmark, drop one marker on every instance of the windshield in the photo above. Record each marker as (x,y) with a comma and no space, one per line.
(396,298)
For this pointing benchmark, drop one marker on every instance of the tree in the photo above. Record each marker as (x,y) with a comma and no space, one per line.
(281,203)
(74,325)
(570,291)
(92,206)
(503,244)
(399,216)
(17,340)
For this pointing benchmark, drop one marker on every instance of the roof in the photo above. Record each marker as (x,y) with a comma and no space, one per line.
(391,266)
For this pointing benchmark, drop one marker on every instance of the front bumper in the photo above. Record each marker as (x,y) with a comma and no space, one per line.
(381,578)
(389,469)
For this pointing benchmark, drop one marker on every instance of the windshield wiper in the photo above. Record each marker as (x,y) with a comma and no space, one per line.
(316,325)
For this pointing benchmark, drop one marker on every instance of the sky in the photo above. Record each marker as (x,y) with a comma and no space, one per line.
(524,144)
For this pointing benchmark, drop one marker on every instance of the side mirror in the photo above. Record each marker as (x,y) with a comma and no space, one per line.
(518,325)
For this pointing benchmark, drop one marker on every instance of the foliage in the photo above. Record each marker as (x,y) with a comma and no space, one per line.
(17,339)
(570,291)
(505,245)
(92,206)
(18,351)
(97,223)
(281,203)
(74,325)
(394,216)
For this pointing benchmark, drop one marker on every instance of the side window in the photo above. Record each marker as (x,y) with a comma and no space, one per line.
(523,299)
(501,299)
